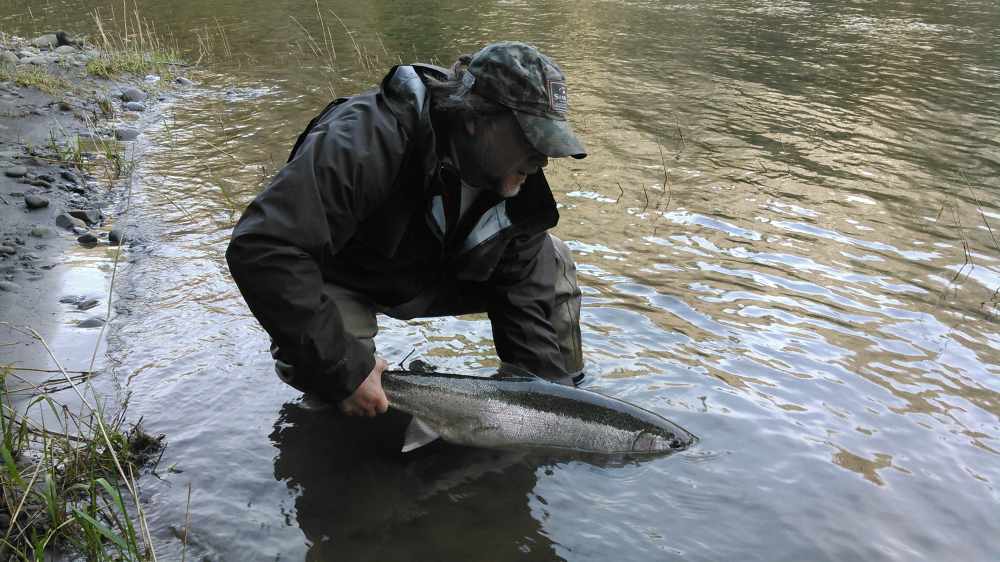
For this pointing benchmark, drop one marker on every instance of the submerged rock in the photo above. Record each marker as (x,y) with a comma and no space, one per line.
(132,93)
(64,220)
(40,232)
(126,134)
(35,202)
(9,287)
(47,41)
(7,250)
(89,216)
(92,322)
(16,172)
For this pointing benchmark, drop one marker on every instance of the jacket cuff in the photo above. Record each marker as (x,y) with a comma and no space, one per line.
(341,380)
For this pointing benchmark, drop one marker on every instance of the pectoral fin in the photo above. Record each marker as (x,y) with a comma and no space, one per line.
(418,434)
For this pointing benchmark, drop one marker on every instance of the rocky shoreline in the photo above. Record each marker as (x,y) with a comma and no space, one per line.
(68,143)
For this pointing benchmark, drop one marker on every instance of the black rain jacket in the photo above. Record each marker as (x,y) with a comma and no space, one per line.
(359,205)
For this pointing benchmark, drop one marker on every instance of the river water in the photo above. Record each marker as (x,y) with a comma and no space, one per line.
(787,237)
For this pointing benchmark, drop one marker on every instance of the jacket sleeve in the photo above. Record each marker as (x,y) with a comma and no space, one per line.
(521,302)
(339,174)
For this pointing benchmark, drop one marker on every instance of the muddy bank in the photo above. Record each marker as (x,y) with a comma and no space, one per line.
(71,133)
(69,139)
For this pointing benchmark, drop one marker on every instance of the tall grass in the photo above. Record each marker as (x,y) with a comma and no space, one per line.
(62,487)
(130,44)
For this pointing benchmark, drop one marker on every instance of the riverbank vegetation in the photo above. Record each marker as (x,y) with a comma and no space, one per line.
(35,77)
(130,44)
(69,489)
(69,459)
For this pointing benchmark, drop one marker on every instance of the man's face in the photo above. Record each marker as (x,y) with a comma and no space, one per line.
(498,156)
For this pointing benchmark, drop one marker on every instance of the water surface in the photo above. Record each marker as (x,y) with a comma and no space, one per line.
(786,234)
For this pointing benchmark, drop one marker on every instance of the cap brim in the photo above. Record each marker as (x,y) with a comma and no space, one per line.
(551,137)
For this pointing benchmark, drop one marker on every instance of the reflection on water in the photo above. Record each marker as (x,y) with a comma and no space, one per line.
(357,498)
(787,236)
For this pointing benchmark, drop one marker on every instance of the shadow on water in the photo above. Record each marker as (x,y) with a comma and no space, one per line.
(359,498)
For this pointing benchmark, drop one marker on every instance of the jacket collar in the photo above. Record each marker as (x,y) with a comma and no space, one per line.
(405,93)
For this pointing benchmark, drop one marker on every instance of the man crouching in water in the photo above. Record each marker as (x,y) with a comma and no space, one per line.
(424,197)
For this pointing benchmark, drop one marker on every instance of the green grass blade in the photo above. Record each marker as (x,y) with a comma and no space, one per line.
(8,462)
(87,520)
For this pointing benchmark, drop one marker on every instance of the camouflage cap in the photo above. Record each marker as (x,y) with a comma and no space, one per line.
(519,77)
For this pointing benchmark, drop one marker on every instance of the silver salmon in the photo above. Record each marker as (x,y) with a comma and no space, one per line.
(515,412)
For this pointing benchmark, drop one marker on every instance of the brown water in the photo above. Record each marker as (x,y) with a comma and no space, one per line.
(813,292)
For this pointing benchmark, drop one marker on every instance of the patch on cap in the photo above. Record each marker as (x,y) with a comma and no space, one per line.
(558,97)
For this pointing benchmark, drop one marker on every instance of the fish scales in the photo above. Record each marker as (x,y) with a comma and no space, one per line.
(529,412)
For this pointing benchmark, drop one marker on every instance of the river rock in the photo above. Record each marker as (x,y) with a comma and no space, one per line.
(89,216)
(7,250)
(16,172)
(65,49)
(92,322)
(87,239)
(46,177)
(131,93)
(126,134)
(47,41)
(40,232)
(184,81)
(9,287)
(8,58)
(69,176)
(115,237)
(36,60)
(135,106)
(87,304)
(33,201)
(64,220)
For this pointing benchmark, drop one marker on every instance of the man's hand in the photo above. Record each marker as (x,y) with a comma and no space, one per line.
(369,398)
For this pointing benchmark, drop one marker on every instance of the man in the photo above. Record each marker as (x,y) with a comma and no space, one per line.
(424,197)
